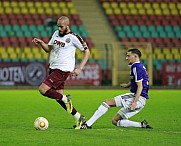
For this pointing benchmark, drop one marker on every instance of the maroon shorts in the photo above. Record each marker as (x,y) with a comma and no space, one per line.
(56,79)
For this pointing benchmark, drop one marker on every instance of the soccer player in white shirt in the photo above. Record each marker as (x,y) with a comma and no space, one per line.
(62,48)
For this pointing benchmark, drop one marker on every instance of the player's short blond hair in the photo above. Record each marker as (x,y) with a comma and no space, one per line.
(64,19)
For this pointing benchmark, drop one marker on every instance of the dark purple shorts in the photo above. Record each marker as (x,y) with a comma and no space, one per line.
(56,79)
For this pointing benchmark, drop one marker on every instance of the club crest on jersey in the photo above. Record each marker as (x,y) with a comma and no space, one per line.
(67,40)
(61,44)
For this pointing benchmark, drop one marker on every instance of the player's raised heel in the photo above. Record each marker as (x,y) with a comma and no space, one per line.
(68,104)
(144,124)
(85,126)
(79,122)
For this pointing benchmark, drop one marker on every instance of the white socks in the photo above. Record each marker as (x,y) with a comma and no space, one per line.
(77,115)
(128,123)
(64,98)
(102,109)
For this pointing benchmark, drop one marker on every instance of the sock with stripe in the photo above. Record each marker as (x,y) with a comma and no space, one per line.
(102,109)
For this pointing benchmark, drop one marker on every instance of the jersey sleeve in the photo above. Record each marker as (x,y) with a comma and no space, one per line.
(79,43)
(138,73)
(52,39)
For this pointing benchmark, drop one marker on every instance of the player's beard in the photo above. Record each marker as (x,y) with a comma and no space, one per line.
(63,33)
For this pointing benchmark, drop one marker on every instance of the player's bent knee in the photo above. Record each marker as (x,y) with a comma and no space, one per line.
(41,90)
(114,122)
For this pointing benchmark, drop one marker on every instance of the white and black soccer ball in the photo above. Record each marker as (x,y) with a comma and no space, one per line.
(41,123)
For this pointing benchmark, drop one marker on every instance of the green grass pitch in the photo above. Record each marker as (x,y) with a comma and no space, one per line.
(19,109)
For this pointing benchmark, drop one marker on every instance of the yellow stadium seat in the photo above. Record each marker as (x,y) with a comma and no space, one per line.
(125,11)
(38,4)
(158,12)
(172,5)
(29,55)
(131,5)
(13,56)
(156,5)
(139,5)
(160,56)
(158,53)
(21,4)
(175,51)
(179,6)
(46,4)
(24,11)
(57,11)
(109,11)
(169,56)
(79,55)
(2,11)
(70,5)
(40,10)
(65,11)
(37,56)
(114,5)
(50,11)
(174,12)
(73,11)
(45,55)
(62,4)
(35,50)
(106,5)
(4,55)
(6,4)
(164,6)
(117,11)
(30,4)
(166,12)
(123,5)
(166,50)
(32,10)
(14,4)
(54,4)
(144,56)
(16,10)
(141,11)
(147,5)
(8,10)
(18,50)
(10,50)
(150,11)
(134,11)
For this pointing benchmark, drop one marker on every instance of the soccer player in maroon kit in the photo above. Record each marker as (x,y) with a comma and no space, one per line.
(62,48)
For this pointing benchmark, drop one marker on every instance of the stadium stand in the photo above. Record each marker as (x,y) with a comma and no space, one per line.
(156,21)
(20,21)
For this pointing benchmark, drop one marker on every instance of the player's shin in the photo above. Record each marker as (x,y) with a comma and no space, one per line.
(102,109)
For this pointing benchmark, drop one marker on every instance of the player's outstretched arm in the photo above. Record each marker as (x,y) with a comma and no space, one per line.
(44,46)
(83,62)
(125,85)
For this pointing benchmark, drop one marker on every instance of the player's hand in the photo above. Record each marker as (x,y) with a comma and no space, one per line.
(76,72)
(37,41)
(133,105)
(124,85)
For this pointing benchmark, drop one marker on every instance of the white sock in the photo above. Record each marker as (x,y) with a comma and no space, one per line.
(102,109)
(77,115)
(64,98)
(128,123)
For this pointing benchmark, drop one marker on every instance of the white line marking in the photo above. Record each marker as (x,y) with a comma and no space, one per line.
(144,130)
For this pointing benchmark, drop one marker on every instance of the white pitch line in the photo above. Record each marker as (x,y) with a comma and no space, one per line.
(150,130)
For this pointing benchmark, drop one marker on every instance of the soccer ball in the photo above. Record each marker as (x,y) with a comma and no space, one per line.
(41,123)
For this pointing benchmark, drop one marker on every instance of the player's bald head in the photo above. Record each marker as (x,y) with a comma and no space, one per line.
(65,20)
